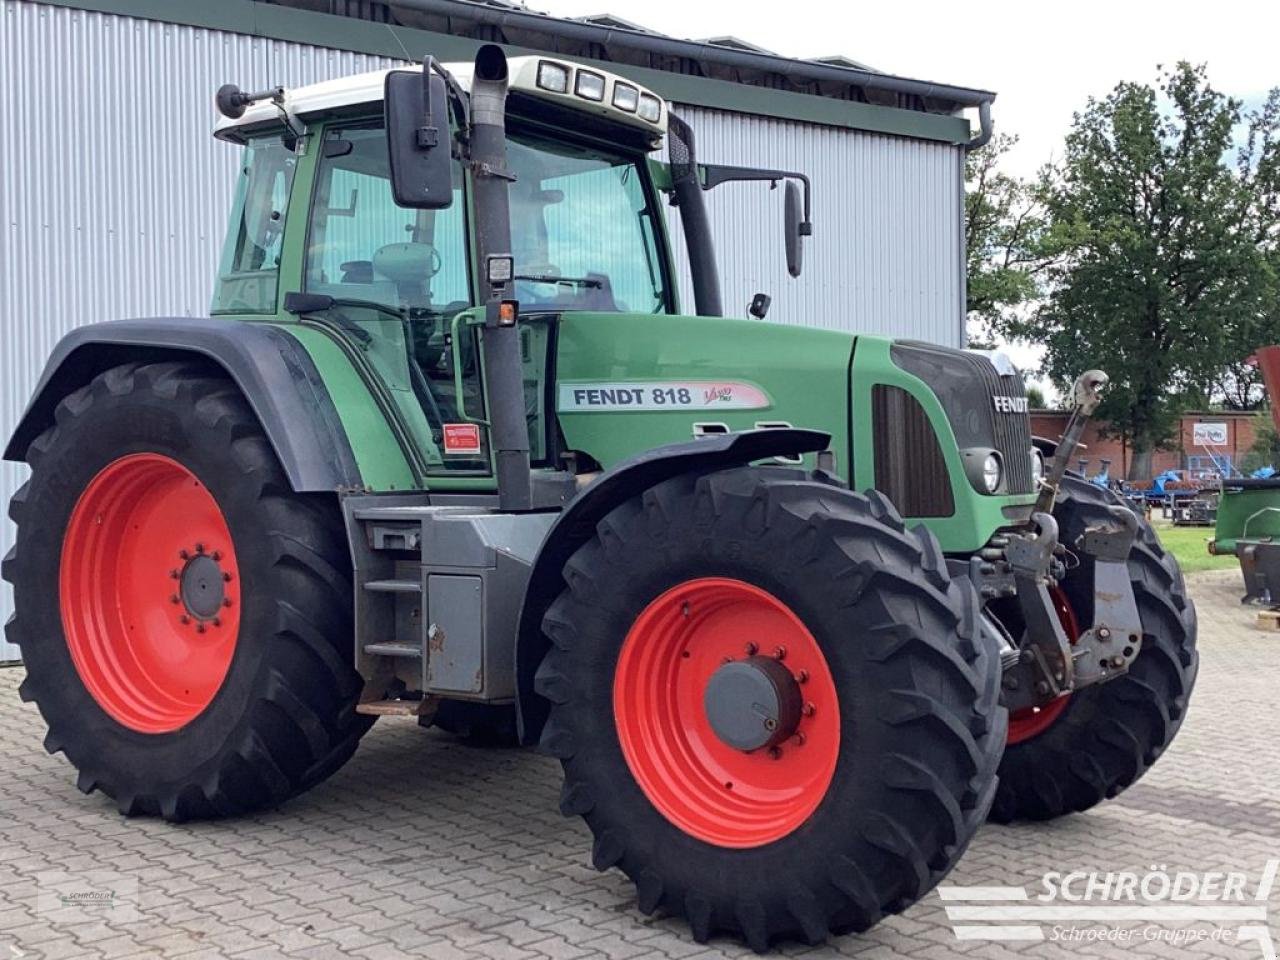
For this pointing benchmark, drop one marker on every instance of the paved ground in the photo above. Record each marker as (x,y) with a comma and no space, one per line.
(424,847)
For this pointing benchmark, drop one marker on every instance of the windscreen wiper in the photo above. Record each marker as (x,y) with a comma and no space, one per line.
(589,282)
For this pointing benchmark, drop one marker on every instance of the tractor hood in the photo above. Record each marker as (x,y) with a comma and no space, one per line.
(629,383)
(913,420)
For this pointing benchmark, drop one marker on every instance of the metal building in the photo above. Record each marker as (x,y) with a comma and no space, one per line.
(113,195)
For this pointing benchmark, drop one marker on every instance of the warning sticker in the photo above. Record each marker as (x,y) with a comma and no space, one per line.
(461,439)
(661,395)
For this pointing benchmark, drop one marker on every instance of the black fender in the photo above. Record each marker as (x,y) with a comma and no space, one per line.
(271,368)
(1046,446)
(577,523)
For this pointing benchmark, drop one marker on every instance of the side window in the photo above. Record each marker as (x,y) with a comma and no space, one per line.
(249,271)
(363,246)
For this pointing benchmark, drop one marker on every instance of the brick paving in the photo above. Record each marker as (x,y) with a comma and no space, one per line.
(425,847)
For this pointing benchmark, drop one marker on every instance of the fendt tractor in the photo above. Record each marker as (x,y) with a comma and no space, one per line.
(447,449)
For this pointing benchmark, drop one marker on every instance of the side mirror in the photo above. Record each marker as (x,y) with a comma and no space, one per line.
(796,228)
(416,113)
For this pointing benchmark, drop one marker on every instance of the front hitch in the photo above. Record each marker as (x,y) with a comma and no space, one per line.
(1045,663)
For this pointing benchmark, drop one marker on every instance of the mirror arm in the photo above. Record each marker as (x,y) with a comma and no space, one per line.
(714,174)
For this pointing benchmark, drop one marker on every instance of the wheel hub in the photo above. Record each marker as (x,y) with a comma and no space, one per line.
(202,591)
(753,703)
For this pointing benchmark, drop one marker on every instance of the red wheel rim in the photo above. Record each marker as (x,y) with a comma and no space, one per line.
(707,788)
(1032,721)
(149,592)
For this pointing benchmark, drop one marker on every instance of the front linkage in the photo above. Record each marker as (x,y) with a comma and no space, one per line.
(1027,563)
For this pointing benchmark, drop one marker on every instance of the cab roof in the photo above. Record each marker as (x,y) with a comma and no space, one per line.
(366,89)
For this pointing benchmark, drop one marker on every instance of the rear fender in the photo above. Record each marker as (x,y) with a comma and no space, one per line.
(577,524)
(273,371)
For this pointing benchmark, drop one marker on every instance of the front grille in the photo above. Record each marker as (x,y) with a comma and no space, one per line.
(910,468)
(964,384)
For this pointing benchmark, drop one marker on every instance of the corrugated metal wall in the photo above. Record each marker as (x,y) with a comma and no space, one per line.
(113,196)
(886,250)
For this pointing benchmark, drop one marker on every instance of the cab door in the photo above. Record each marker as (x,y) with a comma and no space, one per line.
(401,281)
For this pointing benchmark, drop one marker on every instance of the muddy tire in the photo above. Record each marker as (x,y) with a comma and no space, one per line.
(184,617)
(771,571)
(1107,736)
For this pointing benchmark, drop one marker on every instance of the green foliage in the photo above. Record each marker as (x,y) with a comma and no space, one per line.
(1035,397)
(1003,220)
(1156,252)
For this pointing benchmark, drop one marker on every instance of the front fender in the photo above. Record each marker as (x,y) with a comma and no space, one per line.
(272,370)
(577,524)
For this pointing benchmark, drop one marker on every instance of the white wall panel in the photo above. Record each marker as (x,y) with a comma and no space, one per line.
(885,255)
(113,195)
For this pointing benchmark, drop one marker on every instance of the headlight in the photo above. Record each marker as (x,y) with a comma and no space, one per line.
(650,108)
(991,472)
(1037,467)
(553,77)
(590,86)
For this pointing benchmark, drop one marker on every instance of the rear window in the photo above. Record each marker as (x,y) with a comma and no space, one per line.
(249,271)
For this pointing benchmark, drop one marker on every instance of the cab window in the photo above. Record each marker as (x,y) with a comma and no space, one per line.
(249,269)
(582,229)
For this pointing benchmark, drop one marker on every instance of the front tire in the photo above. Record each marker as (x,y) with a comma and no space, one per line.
(762,566)
(1101,739)
(184,617)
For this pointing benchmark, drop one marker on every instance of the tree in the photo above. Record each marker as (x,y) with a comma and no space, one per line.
(1154,256)
(1035,397)
(1002,222)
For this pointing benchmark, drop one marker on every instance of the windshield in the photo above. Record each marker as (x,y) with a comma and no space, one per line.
(582,230)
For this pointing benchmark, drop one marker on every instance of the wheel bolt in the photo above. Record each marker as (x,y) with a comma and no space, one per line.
(799,739)
(217,622)
(779,653)
(184,555)
(174,575)
(184,619)
(226,601)
(173,598)
(217,555)
(226,578)
(775,753)
(751,649)
(808,709)
(802,676)
(199,628)
(199,548)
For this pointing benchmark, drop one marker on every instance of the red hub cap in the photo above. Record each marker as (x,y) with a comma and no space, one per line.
(149,591)
(726,712)
(1032,721)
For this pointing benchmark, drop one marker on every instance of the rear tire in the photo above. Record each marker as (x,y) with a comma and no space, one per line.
(916,742)
(1108,735)
(280,716)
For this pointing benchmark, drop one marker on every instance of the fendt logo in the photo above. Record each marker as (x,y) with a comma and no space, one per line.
(1010,404)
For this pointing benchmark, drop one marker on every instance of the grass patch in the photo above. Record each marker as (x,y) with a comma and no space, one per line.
(1188,544)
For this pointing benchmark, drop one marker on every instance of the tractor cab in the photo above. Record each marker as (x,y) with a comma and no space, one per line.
(345,224)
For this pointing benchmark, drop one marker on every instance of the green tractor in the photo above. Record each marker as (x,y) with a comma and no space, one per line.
(448,449)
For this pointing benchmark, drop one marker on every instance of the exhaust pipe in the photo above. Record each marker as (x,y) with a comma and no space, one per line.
(508,429)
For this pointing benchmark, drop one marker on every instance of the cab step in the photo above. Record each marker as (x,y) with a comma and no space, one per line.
(394,649)
(396,708)
(393,586)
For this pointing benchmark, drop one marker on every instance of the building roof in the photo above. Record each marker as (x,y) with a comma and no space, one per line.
(612,39)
